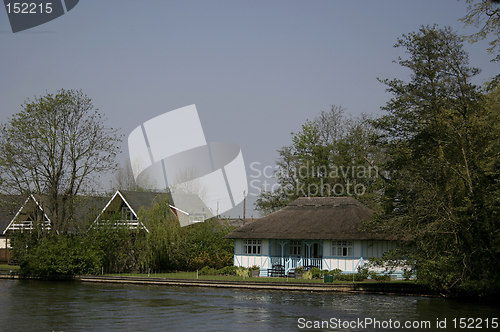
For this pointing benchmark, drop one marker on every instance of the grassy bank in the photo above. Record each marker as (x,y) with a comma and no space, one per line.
(190,279)
(281,284)
(195,276)
(6,267)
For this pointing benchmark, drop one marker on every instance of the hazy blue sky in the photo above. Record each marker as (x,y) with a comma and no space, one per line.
(256,70)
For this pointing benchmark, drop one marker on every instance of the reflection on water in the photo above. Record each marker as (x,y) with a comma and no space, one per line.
(69,306)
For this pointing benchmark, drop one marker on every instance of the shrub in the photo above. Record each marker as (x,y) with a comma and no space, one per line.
(225,271)
(318,273)
(350,277)
(243,272)
(335,273)
(56,256)
(408,273)
(314,273)
(207,271)
(228,271)
(364,271)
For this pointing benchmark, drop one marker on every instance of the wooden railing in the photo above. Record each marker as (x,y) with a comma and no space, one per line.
(131,224)
(27,225)
(291,263)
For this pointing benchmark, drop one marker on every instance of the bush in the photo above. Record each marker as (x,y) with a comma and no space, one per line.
(314,273)
(208,271)
(228,271)
(225,271)
(339,275)
(408,273)
(318,273)
(364,272)
(335,273)
(243,272)
(57,256)
(350,277)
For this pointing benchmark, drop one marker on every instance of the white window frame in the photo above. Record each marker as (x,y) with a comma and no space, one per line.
(295,248)
(126,213)
(252,247)
(342,248)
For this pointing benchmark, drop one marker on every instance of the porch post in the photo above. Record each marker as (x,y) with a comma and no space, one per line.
(282,245)
(308,254)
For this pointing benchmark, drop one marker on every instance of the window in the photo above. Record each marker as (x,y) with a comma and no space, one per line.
(196,217)
(127,213)
(342,248)
(252,247)
(295,248)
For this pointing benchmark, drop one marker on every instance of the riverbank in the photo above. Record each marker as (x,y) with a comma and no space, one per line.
(389,288)
(375,287)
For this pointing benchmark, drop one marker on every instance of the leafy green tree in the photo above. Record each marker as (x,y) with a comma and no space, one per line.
(55,146)
(332,155)
(441,137)
(486,15)
(205,245)
(119,246)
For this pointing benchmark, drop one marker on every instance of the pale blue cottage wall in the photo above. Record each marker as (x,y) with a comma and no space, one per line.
(248,260)
(362,252)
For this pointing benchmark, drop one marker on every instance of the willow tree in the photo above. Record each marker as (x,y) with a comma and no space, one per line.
(55,147)
(441,137)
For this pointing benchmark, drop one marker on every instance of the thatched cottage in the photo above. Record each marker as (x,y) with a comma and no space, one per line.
(323,232)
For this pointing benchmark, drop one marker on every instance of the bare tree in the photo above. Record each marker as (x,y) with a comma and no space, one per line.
(54,147)
(331,125)
(124,178)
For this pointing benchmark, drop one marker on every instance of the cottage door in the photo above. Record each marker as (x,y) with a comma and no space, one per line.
(316,252)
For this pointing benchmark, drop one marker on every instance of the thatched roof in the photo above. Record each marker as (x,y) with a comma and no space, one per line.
(318,218)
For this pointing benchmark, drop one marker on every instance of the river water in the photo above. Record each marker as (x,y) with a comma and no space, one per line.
(76,306)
